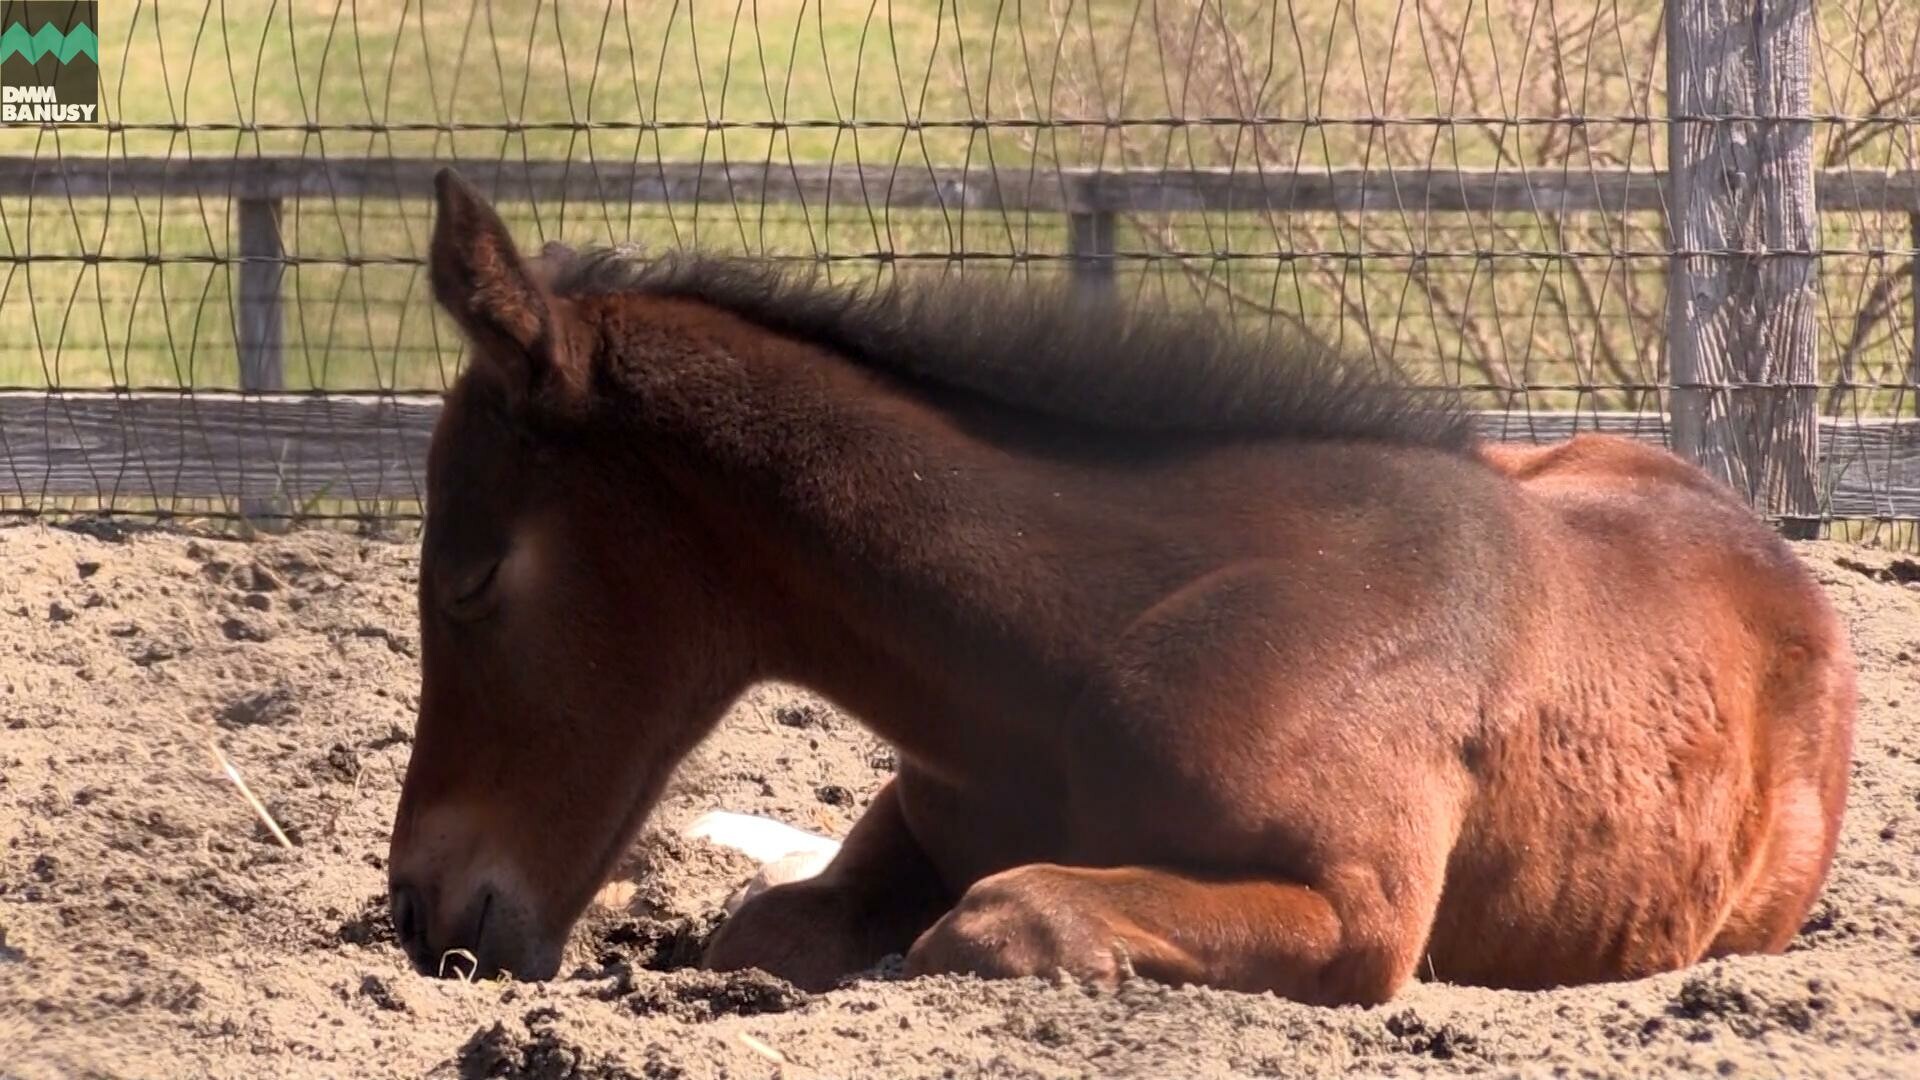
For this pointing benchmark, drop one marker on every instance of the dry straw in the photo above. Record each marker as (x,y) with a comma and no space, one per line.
(259,808)
(473,964)
(762,1049)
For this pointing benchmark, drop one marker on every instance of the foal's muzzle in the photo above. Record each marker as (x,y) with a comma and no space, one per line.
(488,934)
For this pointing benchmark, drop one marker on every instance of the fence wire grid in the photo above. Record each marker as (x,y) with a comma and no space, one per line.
(216,302)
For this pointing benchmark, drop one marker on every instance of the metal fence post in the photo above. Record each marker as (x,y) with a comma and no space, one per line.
(1743,228)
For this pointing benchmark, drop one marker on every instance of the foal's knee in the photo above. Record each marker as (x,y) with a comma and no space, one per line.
(1012,925)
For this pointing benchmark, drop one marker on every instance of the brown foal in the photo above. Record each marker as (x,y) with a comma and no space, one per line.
(1207,661)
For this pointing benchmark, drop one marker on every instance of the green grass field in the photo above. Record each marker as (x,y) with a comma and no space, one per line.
(334,79)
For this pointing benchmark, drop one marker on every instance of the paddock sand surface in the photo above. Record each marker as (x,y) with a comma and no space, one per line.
(151,928)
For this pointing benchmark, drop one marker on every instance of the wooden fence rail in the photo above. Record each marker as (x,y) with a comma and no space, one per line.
(260,452)
(904,187)
(144,448)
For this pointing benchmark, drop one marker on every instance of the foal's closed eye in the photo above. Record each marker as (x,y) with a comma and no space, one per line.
(469,595)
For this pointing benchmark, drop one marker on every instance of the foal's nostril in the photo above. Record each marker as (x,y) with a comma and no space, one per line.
(409,919)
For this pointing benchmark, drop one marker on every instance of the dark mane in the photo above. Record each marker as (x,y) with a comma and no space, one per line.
(1053,352)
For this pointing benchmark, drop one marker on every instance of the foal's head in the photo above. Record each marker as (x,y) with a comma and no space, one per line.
(573,643)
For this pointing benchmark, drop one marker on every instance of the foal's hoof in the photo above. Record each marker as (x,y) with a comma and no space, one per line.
(798,866)
(805,932)
(998,931)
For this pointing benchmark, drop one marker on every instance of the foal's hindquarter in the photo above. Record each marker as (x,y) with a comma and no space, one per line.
(1667,779)
(1314,717)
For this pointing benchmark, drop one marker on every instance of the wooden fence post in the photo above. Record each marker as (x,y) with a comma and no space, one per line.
(258,332)
(1743,228)
(258,316)
(1090,240)
(1913,274)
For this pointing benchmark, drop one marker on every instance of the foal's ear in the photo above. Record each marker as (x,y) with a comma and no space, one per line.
(482,281)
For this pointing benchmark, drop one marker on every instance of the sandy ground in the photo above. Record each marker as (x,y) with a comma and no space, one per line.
(149,927)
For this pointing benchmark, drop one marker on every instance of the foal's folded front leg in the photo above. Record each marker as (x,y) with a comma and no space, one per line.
(1100,925)
(872,900)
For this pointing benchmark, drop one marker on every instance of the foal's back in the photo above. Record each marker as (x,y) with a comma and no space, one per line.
(1674,770)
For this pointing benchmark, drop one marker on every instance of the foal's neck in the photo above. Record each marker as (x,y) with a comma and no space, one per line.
(928,580)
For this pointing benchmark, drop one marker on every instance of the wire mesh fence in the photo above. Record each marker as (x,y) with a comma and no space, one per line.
(216,304)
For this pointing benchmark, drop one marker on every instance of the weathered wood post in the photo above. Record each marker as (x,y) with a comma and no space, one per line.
(1090,240)
(1913,274)
(258,332)
(1743,227)
(258,316)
